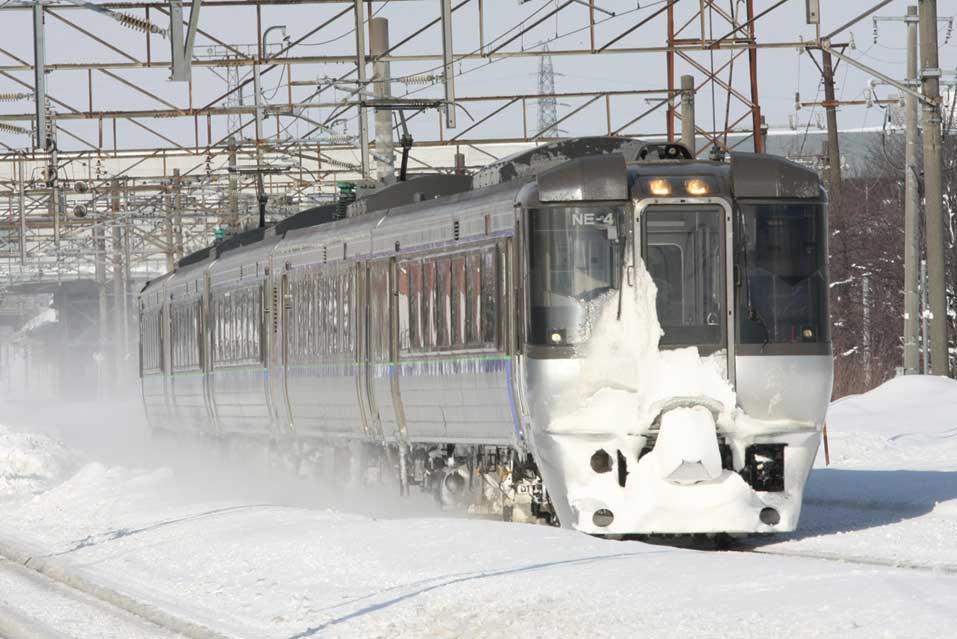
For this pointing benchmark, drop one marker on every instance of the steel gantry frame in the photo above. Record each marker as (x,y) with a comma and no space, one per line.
(121,173)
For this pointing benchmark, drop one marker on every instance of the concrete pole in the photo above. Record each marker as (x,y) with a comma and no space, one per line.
(933,209)
(118,319)
(170,251)
(381,87)
(448,63)
(911,206)
(866,337)
(833,144)
(231,219)
(361,93)
(21,197)
(687,113)
(127,298)
(177,215)
(923,318)
(257,101)
(39,77)
(99,241)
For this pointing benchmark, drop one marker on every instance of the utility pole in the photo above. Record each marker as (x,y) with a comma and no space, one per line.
(178,215)
(170,251)
(21,202)
(381,90)
(118,319)
(833,144)
(866,337)
(99,241)
(911,205)
(361,93)
(687,113)
(933,205)
(231,220)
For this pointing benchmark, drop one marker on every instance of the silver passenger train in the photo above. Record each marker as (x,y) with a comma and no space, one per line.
(430,330)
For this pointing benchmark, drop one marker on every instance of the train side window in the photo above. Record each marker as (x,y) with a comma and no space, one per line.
(309,319)
(402,300)
(249,331)
(428,300)
(415,293)
(489,296)
(473,299)
(151,342)
(348,308)
(322,315)
(457,300)
(335,312)
(258,351)
(441,309)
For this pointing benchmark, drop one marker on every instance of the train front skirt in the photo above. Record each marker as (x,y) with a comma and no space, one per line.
(686,478)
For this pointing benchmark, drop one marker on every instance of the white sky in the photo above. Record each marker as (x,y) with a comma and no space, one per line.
(781,72)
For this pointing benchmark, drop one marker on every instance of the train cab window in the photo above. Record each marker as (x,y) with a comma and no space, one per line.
(574,265)
(683,254)
(782,297)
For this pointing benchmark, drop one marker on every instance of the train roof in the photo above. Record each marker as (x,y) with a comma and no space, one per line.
(581,169)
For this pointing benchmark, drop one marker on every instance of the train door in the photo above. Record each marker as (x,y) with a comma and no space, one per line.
(277,355)
(367,405)
(206,320)
(398,290)
(166,356)
(685,248)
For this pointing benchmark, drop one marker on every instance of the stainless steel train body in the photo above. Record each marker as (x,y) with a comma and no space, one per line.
(441,328)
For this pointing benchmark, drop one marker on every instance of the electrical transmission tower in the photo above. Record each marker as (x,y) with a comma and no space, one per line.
(547,103)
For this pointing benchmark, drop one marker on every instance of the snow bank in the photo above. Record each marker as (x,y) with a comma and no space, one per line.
(903,405)
(624,377)
(624,383)
(31,464)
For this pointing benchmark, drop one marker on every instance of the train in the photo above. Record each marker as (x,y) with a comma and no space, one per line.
(600,333)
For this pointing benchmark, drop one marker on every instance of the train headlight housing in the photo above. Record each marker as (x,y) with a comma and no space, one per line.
(678,186)
(807,334)
(659,186)
(697,186)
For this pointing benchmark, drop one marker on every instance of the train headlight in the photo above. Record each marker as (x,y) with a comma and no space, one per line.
(557,337)
(659,186)
(697,186)
(807,334)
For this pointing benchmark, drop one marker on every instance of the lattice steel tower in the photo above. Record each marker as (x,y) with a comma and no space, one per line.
(547,104)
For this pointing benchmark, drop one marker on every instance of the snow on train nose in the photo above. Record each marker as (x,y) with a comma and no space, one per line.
(686,451)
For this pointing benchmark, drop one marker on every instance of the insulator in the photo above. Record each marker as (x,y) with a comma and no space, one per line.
(421,78)
(13,97)
(137,23)
(16,130)
(337,139)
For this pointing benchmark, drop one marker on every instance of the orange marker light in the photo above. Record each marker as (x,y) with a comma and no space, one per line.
(694,186)
(660,187)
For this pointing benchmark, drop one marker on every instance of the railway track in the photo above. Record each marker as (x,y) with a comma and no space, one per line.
(947,569)
(36,606)
(42,599)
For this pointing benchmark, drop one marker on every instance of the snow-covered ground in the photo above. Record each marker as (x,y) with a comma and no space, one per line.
(253,556)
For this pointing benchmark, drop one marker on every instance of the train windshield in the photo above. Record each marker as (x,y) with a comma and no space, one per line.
(783,252)
(682,247)
(574,266)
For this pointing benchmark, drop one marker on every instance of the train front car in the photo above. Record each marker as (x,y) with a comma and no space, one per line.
(677,355)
